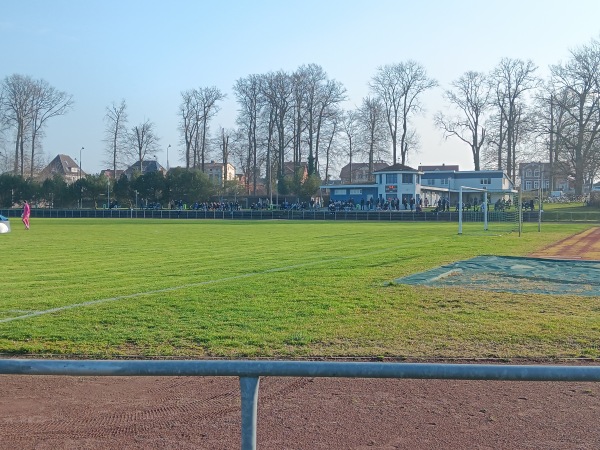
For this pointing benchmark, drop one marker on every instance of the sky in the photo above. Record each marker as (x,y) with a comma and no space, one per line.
(148,52)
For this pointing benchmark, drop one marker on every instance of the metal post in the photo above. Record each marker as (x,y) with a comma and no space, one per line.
(484,205)
(460,218)
(80,170)
(520,210)
(249,395)
(540,193)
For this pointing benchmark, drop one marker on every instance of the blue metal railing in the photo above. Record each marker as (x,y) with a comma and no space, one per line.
(249,373)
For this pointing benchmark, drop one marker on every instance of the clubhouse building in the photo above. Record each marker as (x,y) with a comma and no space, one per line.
(403,183)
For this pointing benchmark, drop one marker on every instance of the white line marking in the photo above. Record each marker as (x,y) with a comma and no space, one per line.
(185,286)
(446,274)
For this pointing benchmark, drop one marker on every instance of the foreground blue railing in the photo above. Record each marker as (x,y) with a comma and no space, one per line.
(249,373)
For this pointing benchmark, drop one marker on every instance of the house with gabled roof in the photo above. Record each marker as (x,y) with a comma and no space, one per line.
(550,177)
(112,174)
(219,172)
(359,172)
(65,167)
(290,169)
(148,166)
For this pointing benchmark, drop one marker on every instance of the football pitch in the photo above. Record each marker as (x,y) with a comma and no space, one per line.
(285,289)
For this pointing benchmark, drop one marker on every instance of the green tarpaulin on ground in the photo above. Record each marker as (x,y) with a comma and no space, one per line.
(514,274)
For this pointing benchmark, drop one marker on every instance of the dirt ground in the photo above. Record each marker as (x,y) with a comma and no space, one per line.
(52,412)
(585,245)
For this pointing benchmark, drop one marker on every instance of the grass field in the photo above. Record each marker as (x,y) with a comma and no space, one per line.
(570,212)
(197,289)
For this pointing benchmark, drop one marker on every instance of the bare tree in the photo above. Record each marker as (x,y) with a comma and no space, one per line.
(278,91)
(197,108)
(350,129)
(238,154)
(3,128)
(143,141)
(225,135)
(579,79)
(47,102)
(188,125)
(399,87)
(550,123)
(320,96)
(374,138)
(27,106)
(471,96)
(330,133)
(206,108)
(248,93)
(301,84)
(331,95)
(115,132)
(18,99)
(510,81)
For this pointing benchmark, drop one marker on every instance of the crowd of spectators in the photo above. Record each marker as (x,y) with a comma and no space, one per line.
(205,206)
(376,205)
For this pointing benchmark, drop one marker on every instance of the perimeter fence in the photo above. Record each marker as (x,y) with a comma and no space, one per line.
(249,373)
(248,214)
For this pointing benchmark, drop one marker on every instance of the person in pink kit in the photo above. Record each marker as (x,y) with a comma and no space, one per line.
(26,214)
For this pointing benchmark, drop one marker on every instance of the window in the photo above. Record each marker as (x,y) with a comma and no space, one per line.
(528,185)
(407,178)
(528,173)
(536,173)
(536,184)
(355,191)
(486,181)
(391,178)
(430,182)
(340,191)
(546,184)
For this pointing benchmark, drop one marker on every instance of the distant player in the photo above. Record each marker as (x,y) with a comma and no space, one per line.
(26,214)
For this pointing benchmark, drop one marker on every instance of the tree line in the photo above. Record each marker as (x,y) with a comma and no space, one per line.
(505,116)
(179,186)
